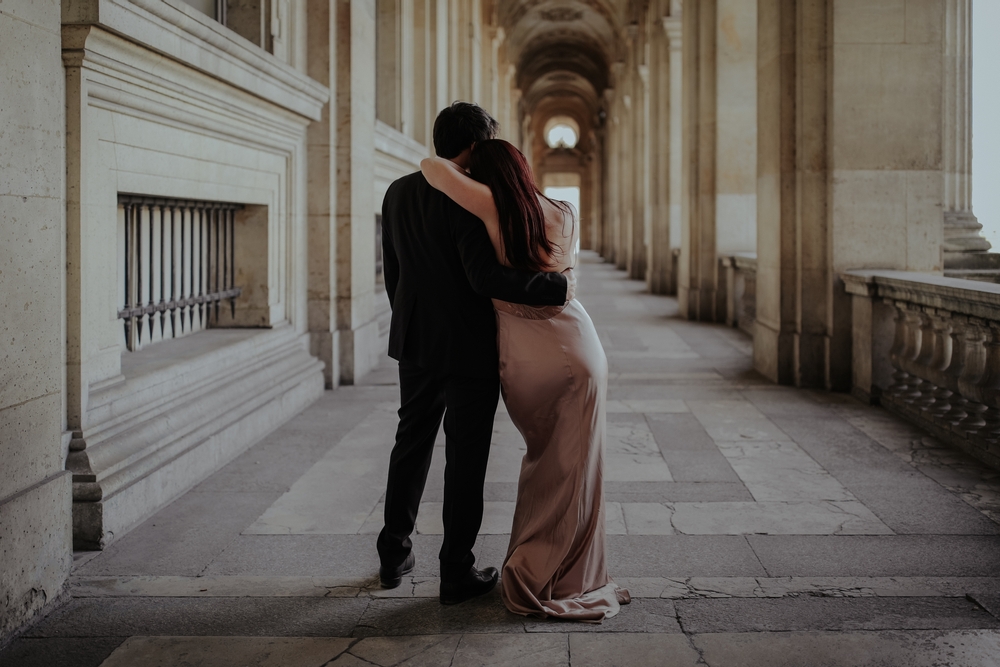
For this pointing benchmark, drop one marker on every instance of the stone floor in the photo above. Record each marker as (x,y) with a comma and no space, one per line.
(753,524)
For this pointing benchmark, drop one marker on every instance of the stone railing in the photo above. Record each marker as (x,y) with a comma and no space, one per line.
(740,275)
(928,348)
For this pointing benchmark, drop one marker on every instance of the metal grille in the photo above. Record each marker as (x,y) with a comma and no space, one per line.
(178,266)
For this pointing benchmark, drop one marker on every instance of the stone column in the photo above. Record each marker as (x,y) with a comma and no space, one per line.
(324,339)
(698,270)
(736,137)
(626,119)
(962,231)
(360,349)
(792,283)
(35,490)
(641,214)
(612,166)
(664,110)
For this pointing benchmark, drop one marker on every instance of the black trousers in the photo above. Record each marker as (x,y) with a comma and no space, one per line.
(468,406)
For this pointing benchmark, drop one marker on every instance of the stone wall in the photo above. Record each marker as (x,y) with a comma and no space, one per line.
(35,537)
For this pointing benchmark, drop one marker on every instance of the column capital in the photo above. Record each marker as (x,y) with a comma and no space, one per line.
(672,26)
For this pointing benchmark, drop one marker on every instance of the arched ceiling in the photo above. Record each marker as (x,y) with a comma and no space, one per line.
(562,51)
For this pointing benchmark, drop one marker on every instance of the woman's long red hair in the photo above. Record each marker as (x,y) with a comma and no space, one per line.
(504,169)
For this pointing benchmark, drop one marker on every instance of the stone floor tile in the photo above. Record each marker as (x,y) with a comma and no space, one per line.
(988,601)
(846,517)
(878,556)
(418,651)
(497,519)
(480,650)
(817,613)
(709,466)
(919,648)
(427,616)
(641,615)
(632,650)
(260,617)
(307,555)
(340,556)
(648,518)
(781,471)
(632,455)
(227,651)
(183,537)
(217,586)
(275,463)
(349,477)
(614,519)
(681,556)
(680,433)
(58,651)
(676,492)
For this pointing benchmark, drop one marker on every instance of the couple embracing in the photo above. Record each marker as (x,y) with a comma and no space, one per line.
(478,267)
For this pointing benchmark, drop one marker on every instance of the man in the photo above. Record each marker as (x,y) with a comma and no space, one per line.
(440,272)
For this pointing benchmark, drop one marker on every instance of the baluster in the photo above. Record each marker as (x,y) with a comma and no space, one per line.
(232,260)
(935,401)
(989,386)
(218,252)
(975,369)
(900,378)
(952,374)
(915,329)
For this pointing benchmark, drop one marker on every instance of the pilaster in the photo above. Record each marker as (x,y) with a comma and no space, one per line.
(360,349)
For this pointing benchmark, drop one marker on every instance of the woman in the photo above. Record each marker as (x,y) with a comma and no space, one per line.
(553,373)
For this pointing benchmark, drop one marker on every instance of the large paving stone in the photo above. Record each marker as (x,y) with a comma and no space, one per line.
(917,648)
(878,556)
(681,556)
(312,555)
(646,615)
(666,492)
(632,650)
(478,650)
(184,537)
(680,432)
(58,651)
(819,613)
(227,651)
(257,617)
(427,616)
(414,651)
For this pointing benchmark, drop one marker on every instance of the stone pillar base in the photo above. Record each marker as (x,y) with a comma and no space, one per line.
(361,350)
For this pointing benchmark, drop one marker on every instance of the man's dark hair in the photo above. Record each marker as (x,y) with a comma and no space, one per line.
(459,126)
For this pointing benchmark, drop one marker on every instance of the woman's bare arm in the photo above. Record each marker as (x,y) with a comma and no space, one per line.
(473,196)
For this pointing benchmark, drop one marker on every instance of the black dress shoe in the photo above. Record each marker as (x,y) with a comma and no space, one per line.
(393,576)
(473,584)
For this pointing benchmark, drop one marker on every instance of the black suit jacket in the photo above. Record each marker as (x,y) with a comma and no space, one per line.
(440,272)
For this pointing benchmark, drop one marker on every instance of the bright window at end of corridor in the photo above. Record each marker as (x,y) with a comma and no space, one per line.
(568,193)
(561,136)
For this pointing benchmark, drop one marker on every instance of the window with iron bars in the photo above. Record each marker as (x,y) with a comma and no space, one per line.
(178,266)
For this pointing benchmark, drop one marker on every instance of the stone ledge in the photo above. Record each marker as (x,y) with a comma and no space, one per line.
(966,297)
(183,34)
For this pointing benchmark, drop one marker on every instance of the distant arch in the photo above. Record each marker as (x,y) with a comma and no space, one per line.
(561,132)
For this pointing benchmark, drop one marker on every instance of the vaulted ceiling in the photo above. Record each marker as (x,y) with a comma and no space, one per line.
(562,51)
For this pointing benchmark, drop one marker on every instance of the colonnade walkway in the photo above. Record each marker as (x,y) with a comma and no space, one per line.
(753,524)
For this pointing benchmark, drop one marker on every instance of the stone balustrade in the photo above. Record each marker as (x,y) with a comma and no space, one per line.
(928,348)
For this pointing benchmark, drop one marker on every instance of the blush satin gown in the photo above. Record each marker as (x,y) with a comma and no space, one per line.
(554,377)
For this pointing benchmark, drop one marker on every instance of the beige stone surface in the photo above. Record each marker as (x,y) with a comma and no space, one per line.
(35,539)
(35,549)
(227,651)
